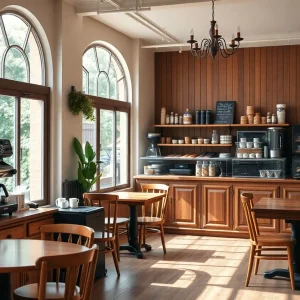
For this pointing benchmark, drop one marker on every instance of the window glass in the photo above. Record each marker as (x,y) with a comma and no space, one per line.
(90,64)
(34,56)
(32,150)
(15,66)
(113,87)
(16,30)
(103,57)
(2,45)
(107,148)
(122,148)
(103,86)
(84,81)
(89,132)
(122,89)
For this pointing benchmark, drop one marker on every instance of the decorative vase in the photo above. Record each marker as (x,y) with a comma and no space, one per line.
(281,113)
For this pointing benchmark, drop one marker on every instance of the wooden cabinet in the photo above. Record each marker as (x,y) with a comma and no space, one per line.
(290,192)
(216,207)
(33,228)
(258,191)
(183,208)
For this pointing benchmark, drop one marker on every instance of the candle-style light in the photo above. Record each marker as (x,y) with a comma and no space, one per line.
(215,43)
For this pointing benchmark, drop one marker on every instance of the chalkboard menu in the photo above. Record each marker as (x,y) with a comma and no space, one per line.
(225,112)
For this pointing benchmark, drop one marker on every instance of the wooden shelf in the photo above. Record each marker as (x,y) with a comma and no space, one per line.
(220,125)
(194,145)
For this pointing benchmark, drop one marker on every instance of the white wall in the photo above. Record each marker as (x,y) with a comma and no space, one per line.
(65,36)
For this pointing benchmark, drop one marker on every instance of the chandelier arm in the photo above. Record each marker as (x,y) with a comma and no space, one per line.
(224,49)
(204,48)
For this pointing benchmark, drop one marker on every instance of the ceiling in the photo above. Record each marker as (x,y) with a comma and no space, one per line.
(262,22)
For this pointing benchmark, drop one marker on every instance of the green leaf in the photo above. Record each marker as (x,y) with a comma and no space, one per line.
(79,150)
(91,170)
(95,180)
(81,177)
(89,153)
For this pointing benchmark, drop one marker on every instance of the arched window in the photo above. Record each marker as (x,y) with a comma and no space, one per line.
(103,74)
(105,82)
(21,55)
(24,105)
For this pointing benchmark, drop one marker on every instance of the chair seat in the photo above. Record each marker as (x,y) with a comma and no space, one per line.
(275,240)
(145,220)
(53,291)
(99,237)
(119,221)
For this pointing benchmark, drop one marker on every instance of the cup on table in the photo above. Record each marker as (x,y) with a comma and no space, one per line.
(74,202)
(62,203)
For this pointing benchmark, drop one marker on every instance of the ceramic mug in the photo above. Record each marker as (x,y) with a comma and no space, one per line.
(62,203)
(73,202)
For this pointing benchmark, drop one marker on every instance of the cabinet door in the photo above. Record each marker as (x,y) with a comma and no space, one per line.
(258,191)
(289,192)
(216,207)
(184,203)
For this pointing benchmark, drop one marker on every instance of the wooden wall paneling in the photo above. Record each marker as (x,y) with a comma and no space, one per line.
(191,94)
(241,88)
(170,103)
(298,85)
(280,74)
(179,76)
(246,80)
(257,96)
(292,85)
(222,77)
(263,81)
(229,78)
(286,78)
(197,94)
(269,103)
(203,91)
(252,79)
(274,79)
(164,81)
(174,84)
(158,86)
(185,88)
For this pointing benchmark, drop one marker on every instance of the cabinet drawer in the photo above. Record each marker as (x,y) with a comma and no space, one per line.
(34,227)
(16,232)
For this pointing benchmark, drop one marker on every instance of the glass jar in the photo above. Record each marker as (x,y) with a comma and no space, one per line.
(172,118)
(274,119)
(167,119)
(205,171)
(198,169)
(176,119)
(180,119)
(187,117)
(212,169)
(215,137)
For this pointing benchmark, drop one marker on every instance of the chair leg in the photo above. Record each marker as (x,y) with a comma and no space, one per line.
(162,234)
(250,264)
(127,230)
(115,257)
(118,242)
(291,266)
(144,234)
(256,263)
(141,231)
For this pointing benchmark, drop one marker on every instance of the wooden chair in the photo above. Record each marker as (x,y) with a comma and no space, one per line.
(269,243)
(108,236)
(122,224)
(153,215)
(78,234)
(80,267)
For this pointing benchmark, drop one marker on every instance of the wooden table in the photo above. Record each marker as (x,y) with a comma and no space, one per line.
(133,199)
(21,255)
(287,209)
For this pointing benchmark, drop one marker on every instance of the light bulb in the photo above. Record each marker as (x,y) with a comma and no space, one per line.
(217,26)
(192,31)
(238,29)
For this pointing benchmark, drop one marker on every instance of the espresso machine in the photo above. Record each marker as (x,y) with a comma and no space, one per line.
(6,170)
(153,150)
(275,141)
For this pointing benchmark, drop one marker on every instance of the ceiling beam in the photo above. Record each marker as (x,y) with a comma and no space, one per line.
(91,8)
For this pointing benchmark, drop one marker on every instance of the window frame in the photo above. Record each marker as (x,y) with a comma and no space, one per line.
(33,92)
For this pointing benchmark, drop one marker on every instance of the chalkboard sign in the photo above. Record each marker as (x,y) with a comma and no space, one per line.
(225,112)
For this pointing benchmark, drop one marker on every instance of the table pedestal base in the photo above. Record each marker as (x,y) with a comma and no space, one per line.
(283,273)
(5,286)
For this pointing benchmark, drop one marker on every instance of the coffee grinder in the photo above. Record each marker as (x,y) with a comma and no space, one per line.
(153,150)
(6,170)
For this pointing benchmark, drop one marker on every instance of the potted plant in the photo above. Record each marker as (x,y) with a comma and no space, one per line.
(87,167)
(79,102)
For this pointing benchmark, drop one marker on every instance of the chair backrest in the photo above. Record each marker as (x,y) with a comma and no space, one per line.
(110,204)
(247,200)
(80,267)
(71,233)
(156,209)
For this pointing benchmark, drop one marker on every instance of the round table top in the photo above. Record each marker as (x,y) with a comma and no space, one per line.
(21,255)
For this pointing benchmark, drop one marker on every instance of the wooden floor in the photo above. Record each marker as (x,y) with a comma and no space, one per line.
(195,267)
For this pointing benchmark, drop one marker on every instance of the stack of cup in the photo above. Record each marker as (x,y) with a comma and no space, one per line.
(244,120)
(250,114)
(257,118)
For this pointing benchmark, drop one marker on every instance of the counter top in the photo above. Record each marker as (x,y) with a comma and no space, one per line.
(217,179)
(20,216)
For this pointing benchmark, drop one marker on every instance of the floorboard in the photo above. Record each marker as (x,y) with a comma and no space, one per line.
(195,267)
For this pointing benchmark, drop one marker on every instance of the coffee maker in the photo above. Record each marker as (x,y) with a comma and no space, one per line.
(275,141)
(6,170)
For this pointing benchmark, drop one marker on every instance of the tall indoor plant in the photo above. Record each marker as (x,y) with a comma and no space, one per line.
(87,168)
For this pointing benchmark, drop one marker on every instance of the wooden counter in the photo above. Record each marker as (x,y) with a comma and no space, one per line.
(212,205)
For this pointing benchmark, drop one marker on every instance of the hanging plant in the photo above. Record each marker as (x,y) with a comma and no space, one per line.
(79,102)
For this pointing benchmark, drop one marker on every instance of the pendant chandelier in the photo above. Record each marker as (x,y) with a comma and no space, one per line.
(216,43)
